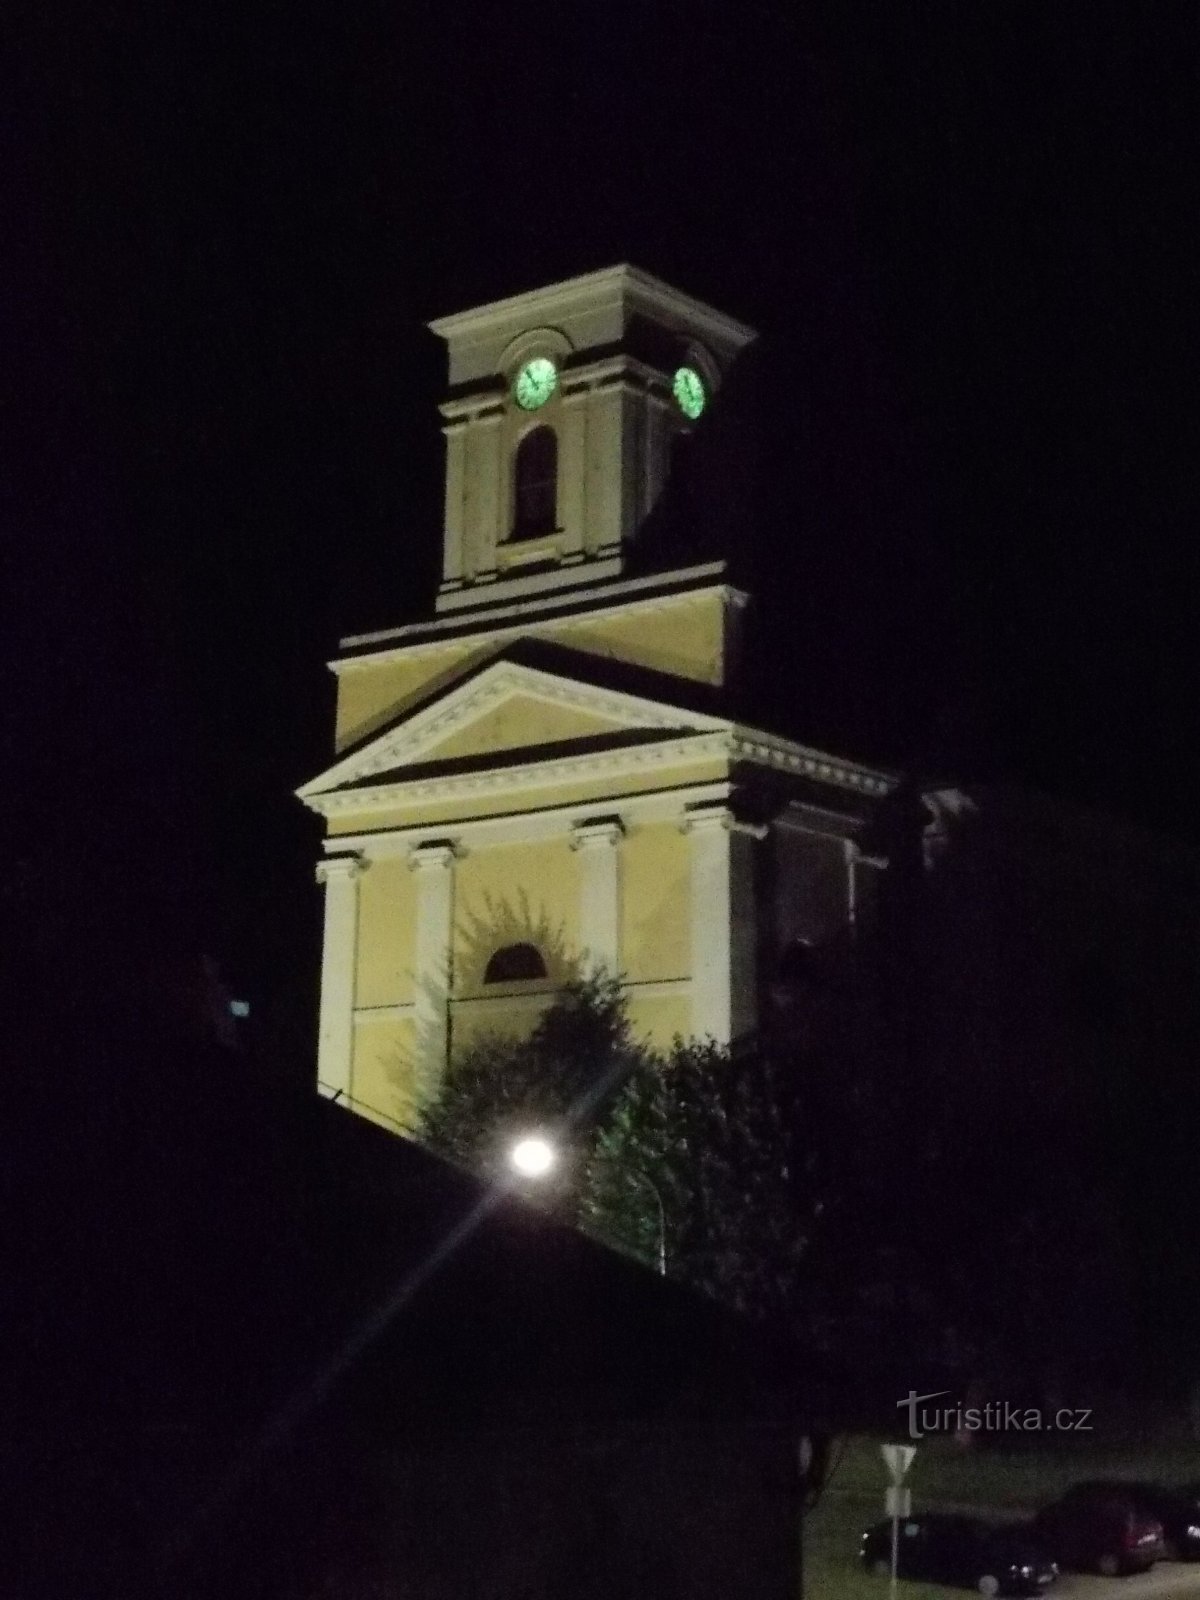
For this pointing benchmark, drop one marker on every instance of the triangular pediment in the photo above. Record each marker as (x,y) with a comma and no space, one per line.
(523,721)
(504,708)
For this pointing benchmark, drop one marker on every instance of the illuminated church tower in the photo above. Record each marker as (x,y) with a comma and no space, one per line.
(549,774)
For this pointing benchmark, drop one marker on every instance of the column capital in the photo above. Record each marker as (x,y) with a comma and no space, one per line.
(709,818)
(597,833)
(434,855)
(339,869)
(864,858)
(463,409)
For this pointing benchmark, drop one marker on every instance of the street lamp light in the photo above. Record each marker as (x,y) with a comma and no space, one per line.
(534,1157)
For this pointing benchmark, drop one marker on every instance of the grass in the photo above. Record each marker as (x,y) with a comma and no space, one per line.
(990,1481)
(831,1570)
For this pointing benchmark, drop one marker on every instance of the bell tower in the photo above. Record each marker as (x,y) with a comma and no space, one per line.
(564,407)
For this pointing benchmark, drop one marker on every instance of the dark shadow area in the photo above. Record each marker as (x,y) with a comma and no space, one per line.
(244,1316)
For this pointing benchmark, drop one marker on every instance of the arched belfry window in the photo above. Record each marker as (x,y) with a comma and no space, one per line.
(515,963)
(681,459)
(536,476)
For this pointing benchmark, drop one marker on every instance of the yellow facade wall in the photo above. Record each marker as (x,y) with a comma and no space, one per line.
(515,894)
(513,1017)
(657,1019)
(387,914)
(383,1081)
(521,893)
(660,1019)
(655,903)
(370,696)
(685,637)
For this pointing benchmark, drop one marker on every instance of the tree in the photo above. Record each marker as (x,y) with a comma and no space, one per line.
(560,1081)
(713,1137)
(708,1138)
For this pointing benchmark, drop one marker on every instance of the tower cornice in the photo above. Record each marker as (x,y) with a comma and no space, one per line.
(546,610)
(640,289)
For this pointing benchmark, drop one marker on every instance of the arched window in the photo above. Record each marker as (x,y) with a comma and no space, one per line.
(681,456)
(681,489)
(515,963)
(536,475)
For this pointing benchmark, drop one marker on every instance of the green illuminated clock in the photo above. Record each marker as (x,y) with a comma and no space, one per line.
(690,395)
(536,382)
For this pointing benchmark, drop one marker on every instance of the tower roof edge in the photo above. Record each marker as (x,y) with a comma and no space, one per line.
(623,282)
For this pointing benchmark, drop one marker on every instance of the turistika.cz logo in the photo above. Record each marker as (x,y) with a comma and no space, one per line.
(996,1416)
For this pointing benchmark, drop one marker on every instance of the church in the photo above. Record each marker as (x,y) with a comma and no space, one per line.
(554,773)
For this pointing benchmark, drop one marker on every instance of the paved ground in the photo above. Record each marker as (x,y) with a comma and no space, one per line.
(1168,1578)
(993,1486)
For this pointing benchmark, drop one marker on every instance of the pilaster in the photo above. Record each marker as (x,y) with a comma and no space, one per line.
(597,843)
(605,476)
(456,501)
(487,508)
(335,1037)
(862,885)
(659,432)
(572,469)
(433,864)
(724,925)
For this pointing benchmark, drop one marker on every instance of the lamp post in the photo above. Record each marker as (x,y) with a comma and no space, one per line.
(534,1156)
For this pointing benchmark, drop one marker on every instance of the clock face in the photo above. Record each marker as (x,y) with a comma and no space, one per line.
(689,392)
(536,382)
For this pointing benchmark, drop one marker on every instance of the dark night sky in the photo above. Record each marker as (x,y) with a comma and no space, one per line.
(963,231)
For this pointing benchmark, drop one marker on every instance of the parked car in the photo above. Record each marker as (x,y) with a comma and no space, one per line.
(1099,1527)
(961,1551)
(1177,1509)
